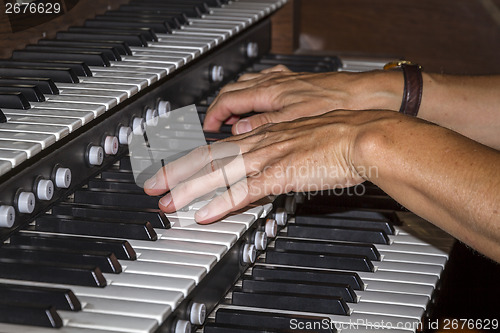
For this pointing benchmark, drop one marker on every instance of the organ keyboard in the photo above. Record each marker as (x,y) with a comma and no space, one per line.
(85,250)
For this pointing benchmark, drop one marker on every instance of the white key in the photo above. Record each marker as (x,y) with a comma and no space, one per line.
(162,69)
(15,157)
(108,322)
(239,24)
(197,236)
(158,52)
(97,110)
(409,248)
(247,219)
(147,78)
(139,83)
(389,276)
(231,30)
(243,19)
(130,90)
(200,31)
(180,246)
(195,273)
(58,131)
(29,148)
(44,140)
(5,166)
(255,211)
(413,258)
(195,51)
(210,41)
(185,286)
(409,268)
(399,287)
(393,298)
(220,37)
(158,312)
(83,116)
(227,227)
(207,261)
(387,309)
(71,123)
(11,328)
(108,103)
(176,62)
(118,95)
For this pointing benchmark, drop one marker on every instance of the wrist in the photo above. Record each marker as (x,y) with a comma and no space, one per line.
(380,90)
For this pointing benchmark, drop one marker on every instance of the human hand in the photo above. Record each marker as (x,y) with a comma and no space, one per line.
(303,155)
(293,95)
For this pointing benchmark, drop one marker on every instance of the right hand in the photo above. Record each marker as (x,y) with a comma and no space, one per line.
(295,95)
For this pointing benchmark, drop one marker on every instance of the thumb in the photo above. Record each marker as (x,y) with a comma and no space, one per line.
(248,124)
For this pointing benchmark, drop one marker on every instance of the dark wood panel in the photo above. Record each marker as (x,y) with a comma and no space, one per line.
(454,36)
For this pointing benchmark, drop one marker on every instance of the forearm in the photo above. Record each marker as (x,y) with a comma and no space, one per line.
(439,175)
(469,105)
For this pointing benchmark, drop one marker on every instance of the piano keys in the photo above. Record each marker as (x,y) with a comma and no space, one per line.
(98,256)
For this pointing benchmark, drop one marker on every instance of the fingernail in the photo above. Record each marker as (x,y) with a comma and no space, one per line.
(166,200)
(150,183)
(243,126)
(201,213)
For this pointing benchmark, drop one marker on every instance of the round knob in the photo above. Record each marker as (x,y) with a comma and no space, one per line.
(252,50)
(111,145)
(63,177)
(249,254)
(281,216)
(198,313)
(96,155)
(123,134)
(26,202)
(290,204)
(260,240)
(217,73)
(182,326)
(163,107)
(7,216)
(151,117)
(138,126)
(271,228)
(45,189)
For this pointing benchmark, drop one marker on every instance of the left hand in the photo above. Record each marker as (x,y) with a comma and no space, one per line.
(306,154)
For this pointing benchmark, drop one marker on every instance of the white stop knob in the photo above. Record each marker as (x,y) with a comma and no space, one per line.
(45,189)
(260,240)
(151,117)
(198,313)
(271,228)
(217,73)
(26,202)
(7,216)
(96,155)
(63,177)
(182,326)
(123,134)
(138,126)
(163,107)
(252,50)
(111,145)
(249,254)
(281,216)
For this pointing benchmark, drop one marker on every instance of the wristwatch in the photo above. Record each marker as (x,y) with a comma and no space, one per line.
(412,94)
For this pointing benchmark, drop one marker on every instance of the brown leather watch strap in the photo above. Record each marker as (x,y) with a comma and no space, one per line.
(412,95)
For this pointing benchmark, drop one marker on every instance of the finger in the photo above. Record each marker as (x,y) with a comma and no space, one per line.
(249,76)
(277,68)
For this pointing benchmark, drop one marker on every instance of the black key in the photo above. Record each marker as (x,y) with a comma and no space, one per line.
(299,274)
(110,52)
(174,21)
(165,13)
(80,275)
(13,100)
(130,39)
(155,26)
(331,221)
(90,58)
(310,207)
(153,216)
(116,174)
(214,136)
(115,198)
(281,321)
(121,47)
(319,260)
(293,244)
(3,118)
(29,314)
(294,302)
(57,74)
(372,236)
(300,287)
(190,11)
(146,33)
(31,92)
(117,184)
(125,164)
(46,86)
(80,68)
(104,228)
(61,299)
(106,261)
(121,248)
